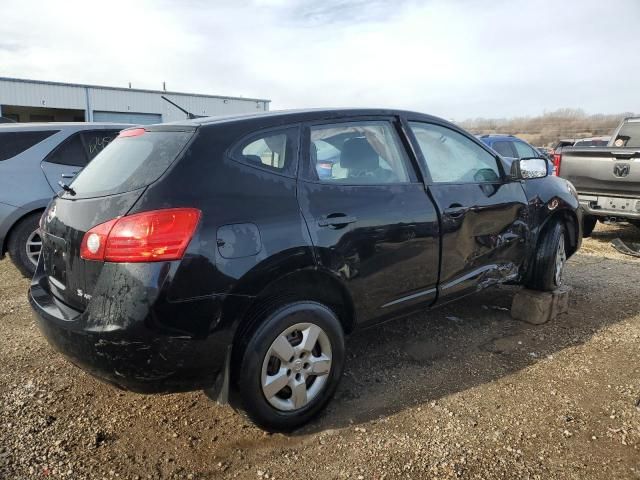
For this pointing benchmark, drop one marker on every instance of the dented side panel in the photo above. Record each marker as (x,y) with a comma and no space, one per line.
(485,232)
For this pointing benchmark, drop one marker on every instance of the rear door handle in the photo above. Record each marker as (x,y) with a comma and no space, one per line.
(336,220)
(69,175)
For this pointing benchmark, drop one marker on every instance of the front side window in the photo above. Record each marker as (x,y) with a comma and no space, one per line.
(452,157)
(358,153)
(525,150)
(273,151)
(14,143)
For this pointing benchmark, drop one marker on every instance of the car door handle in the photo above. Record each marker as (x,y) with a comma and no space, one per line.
(455,210)
(69,175)
(336,220)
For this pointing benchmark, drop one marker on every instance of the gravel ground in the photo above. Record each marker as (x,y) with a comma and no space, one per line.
(459,392)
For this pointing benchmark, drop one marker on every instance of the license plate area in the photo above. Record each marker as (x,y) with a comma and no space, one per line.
(54,252)
(619,204)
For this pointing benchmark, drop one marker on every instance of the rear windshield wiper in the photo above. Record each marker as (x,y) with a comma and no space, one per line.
(67,188)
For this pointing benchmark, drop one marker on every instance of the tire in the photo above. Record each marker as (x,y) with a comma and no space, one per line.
(546,269)
(261,365)
(635,223)
(588,224)
(24,256)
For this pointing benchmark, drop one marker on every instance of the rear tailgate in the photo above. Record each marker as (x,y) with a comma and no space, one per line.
(105,190)
(611,171)
(64,224)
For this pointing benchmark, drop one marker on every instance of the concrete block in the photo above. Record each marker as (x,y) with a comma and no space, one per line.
(536,307)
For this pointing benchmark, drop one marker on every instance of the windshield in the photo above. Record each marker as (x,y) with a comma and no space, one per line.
(628,136)
(129,163)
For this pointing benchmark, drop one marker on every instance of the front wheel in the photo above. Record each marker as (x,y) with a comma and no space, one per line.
(547,267)
(291,366)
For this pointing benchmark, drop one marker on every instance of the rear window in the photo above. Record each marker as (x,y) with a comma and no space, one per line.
(130,162)
(629,135)
(14,143)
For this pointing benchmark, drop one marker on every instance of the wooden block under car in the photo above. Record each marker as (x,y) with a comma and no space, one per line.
(536,307)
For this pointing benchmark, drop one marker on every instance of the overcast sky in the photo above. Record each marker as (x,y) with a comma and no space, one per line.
(453,58)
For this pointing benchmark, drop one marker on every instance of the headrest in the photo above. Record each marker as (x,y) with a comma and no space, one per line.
(357,153)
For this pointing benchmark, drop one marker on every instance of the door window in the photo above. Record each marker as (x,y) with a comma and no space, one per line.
(358,153)
(14,143)
(452,157)
(525,150)
(81,148)
(505,149)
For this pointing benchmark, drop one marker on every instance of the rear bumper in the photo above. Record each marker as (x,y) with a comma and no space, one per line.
(590,206)
(139,354)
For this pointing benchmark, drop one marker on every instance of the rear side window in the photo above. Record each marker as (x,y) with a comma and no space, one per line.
(274,151)
(82,147)
(130,162)
(504,148)
(14,143)
(628,136)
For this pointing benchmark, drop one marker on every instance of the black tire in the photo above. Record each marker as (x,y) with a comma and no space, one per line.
(588,224)
(17,243)
(635,223)
(543,269)
(249,396)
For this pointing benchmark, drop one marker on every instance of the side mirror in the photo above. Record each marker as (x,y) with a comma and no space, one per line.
(527,168)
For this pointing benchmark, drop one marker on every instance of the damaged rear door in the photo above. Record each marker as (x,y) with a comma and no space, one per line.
(484,220)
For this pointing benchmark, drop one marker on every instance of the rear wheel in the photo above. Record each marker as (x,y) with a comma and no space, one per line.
(588,224)
(25,244)
(291,366)
(547,268)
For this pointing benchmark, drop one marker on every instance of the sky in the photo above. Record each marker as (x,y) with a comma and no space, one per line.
(458,59)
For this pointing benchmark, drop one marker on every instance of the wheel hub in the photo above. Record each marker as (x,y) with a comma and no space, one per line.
(296,366)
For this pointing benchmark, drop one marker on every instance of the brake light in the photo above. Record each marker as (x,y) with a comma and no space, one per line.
(557,159)
(132,132)
(154,236)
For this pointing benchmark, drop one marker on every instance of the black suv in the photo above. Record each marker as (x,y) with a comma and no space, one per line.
(211,254)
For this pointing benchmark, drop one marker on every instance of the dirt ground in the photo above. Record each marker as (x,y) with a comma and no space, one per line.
(459,392)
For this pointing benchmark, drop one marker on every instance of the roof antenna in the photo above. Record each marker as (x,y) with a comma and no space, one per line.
(129,84)
(164,86)
(190,115)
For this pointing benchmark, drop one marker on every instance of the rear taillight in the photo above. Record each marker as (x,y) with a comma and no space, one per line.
(557,159)
(153,236)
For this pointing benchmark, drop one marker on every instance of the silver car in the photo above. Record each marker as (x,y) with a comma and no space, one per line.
(34,160)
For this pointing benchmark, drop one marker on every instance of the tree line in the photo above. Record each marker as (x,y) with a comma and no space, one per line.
(545,130)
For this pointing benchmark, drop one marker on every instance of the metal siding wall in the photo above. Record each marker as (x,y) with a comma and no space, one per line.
(122,117)
(28,94)
(41,95)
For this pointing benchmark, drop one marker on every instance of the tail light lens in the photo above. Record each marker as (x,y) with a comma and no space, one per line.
(154,236)
(557,159)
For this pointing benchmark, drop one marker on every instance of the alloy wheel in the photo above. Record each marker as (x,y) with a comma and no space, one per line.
(33,246)
(296,367)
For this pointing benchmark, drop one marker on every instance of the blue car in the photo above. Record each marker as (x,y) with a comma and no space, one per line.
(510,147)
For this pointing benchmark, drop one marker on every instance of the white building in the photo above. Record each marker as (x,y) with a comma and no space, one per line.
(40,101)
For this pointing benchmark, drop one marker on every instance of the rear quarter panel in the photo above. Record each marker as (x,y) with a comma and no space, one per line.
(239,203)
